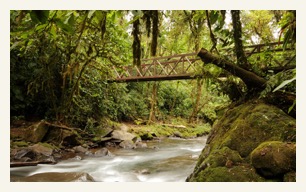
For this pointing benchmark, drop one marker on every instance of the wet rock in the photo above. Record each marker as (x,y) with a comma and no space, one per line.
(57,177)
(25,153)
(127,144)
(102,152)
(80,149)
(236,135)
(42,149)
(147,136)
(141,145)
(274,158)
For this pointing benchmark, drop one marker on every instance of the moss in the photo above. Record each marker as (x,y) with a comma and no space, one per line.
(20,144)
(165,131)
(274,158)
(251,125)
(223,174)
(290,177)
(222,156)
(50,146)
(235,135)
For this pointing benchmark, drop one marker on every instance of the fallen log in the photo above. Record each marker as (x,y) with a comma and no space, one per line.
(249,78)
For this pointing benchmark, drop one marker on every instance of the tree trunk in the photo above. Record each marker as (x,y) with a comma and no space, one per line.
(197,101)
(154,32)
(136,43)
(241,58)
(249,78)
(153,103)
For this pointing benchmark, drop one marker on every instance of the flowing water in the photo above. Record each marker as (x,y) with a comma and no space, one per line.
(167,160)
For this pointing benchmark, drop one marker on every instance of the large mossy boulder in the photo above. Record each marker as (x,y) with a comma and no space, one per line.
(234,138)
(274,158)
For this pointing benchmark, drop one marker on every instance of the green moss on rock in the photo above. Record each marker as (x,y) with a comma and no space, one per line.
(237,133)
(221,157)
(274,158)
(223,174)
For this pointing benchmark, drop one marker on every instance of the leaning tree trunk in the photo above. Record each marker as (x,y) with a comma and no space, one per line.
(249,78)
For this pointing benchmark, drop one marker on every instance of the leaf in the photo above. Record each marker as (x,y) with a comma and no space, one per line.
(284,83)
(39,16)
(14,45)
(290,108)
(213,16)
(90,13)
(53,31)
(63,26)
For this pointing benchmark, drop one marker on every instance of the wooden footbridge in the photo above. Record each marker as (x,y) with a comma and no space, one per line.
(173,67)
(177,67)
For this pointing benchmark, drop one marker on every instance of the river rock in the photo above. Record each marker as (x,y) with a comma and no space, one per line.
(102,152)
(27,154)
(122,135)
(57,177)
(141,145)
(236,135)
(127,144)
(80,149)
(42,149)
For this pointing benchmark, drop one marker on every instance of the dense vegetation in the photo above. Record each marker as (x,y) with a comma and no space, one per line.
(61,61)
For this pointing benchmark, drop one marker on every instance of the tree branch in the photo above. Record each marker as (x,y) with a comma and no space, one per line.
(249,78)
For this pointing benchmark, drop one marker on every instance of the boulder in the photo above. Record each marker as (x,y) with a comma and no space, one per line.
(80,149)
(36,132)
(241,173)
(40,148)
(24,155)
(127,144)
(274,158)
(57,177)
(234,138)
(102,152)
(141,145)
(68,138)
(122,135)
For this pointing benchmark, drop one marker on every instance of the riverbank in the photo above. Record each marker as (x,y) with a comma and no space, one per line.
(165,160)
(42,142)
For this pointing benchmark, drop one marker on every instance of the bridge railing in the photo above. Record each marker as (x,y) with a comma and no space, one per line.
(180,66)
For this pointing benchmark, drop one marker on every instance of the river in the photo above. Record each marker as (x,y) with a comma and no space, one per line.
(166,160)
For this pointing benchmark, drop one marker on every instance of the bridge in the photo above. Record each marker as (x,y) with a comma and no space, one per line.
(175,67)
(183,66)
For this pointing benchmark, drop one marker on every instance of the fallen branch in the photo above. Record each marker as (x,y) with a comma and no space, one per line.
(249,78)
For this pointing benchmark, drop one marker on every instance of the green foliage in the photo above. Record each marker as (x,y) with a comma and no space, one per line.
(288,28)
(60,62)
(282,80)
